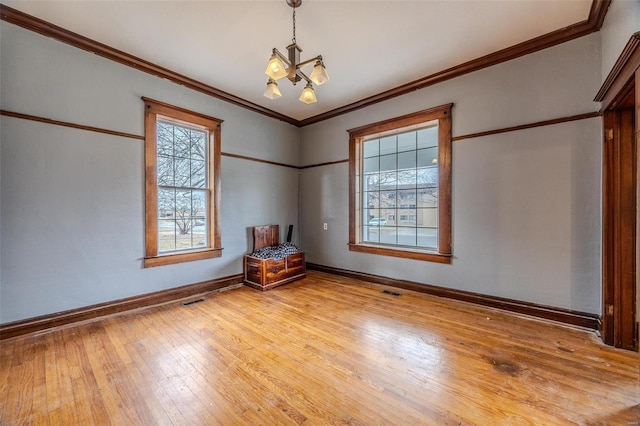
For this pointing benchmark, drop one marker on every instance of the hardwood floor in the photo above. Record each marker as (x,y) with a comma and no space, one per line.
(324,350)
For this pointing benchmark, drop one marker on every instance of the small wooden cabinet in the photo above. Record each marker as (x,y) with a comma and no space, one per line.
(264,274)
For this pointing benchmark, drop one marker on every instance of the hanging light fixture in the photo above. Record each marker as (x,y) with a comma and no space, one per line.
(272,91)
(280,66)
(308,95)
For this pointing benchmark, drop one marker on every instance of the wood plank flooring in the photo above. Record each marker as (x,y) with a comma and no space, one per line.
(324,350)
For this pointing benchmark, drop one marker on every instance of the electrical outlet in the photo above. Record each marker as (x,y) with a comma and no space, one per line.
(325,226)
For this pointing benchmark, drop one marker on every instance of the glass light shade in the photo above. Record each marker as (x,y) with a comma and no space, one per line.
(276,68)
(272,91)
(319,74)
(308,95)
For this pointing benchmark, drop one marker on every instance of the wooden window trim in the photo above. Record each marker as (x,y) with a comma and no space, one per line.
(153,110)
(357,135)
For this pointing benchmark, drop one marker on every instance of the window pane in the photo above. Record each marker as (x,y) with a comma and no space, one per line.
(391,217)
(184,239)
(428,237)
(166,203)
(427,177)
(371,234)
(410,217)
(388,235)
(199,231)
(407,142)
(406,236)
(407,198)
(371,182)
(182,144)
(164,137)
(182,170)
(199,219)
(198,174)
(388,180)
(388,145)
(371,148)
(166,220)
(407,178)
(370,214)
(428,217)
(388,162)
(427,197)
(407,160)
(427,157)
(372,199)
(166,235)
(387,216)
(198,145)
(183,212)
(371,164)
(165,171)
(428,137)
(199,207)
(387,199)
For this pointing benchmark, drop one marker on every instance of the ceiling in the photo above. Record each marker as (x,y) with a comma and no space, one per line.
(368,46)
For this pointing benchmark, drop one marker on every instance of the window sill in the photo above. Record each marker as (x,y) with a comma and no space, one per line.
(403,253)
(170,259)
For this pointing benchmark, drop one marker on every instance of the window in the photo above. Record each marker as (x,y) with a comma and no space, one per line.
(402,168)
(182,185)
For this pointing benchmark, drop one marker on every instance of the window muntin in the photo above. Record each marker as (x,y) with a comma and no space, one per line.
(182,185)
(400,186)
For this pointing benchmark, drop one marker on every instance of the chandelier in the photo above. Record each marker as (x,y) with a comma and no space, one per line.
(280,66)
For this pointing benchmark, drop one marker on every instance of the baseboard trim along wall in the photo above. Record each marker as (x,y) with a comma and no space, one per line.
(44,322)
(581,319)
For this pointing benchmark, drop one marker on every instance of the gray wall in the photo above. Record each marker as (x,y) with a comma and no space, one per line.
(72,206)
(621,22)
(526,204)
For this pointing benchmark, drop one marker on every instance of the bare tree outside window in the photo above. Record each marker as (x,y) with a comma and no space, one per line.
(182,185)
(182,181)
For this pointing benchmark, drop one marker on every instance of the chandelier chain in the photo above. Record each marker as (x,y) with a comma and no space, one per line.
(294,25)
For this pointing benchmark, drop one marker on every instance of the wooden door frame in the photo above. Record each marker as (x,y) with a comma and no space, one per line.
(620,97)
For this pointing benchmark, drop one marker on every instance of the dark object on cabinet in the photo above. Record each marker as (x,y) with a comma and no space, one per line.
(263,274)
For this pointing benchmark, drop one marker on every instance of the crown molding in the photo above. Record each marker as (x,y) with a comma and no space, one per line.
(621,73)
(592,24)
(48,29)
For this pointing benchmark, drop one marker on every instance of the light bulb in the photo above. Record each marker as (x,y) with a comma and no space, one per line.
(308,95)
(276,68)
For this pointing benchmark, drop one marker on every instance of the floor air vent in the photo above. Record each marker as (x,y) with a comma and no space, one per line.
(391,293)
(191,302)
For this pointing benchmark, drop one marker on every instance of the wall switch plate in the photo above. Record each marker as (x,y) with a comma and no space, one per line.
(324,226)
